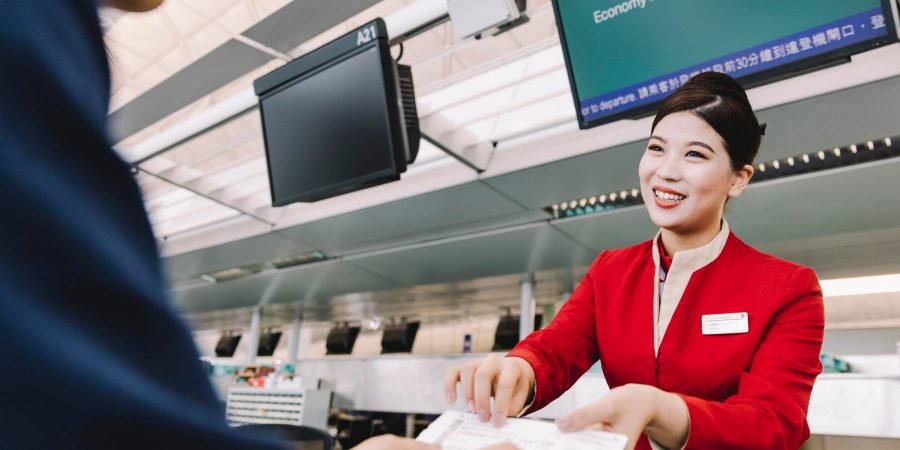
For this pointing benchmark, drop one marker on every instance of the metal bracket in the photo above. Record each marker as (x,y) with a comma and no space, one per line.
(459,143)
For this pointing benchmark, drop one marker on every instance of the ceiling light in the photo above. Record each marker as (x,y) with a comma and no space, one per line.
(635,192)
(853,148)
(573,204)
(592,200)
(790,161)
(776,164)
(603,198)
(887,141)
(871,145)
(837,152)
(762,167)
(821,155)
(861,285)
(805,159)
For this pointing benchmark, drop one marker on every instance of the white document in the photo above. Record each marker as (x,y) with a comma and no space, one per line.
(455,430)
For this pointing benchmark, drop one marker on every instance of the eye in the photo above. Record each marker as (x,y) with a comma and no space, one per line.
(654,148)
(694,154)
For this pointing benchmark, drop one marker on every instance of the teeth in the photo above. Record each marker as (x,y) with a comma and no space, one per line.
(668,196)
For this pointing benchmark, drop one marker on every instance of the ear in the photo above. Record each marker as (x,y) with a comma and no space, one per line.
(739,180)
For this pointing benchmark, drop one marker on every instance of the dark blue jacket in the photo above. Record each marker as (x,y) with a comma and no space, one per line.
(91,355)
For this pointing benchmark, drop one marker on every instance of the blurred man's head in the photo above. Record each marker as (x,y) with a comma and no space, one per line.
(134,5)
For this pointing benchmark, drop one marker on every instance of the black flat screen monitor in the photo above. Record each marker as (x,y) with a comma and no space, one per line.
(227,345)
(332,120)
(340,340)
(267,343)
(625,56)
(399,337)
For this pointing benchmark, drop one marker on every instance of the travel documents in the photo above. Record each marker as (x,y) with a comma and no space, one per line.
(456,430)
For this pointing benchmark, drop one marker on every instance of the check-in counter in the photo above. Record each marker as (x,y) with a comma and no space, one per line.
(866,405)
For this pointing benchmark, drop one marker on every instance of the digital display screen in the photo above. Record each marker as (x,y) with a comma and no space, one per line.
(626,56)
(329,131)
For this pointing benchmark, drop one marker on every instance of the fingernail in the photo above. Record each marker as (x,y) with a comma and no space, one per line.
(471,406)
(497,420)
(483,415)
(564,424)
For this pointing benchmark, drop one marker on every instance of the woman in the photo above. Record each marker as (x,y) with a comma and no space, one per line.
(705,342)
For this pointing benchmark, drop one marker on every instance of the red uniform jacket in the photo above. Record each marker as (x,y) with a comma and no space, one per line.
(748,390)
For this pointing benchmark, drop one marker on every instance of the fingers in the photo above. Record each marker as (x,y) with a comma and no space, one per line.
(503,446)
(450,381)
(502,378)
(508,383)
(391,442)
(485,378)
(600,411)
(467,383)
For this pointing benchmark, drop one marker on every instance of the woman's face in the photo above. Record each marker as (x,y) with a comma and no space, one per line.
(686,175)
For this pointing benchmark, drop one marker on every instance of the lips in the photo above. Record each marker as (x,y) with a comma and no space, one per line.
(667,198)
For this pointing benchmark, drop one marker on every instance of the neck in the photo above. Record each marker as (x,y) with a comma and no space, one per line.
(674,242)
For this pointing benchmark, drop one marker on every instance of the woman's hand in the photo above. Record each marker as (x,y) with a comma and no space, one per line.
(631,410)
(391,442)
(509,380)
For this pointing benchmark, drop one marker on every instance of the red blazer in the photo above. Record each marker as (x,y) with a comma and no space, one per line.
(747,390)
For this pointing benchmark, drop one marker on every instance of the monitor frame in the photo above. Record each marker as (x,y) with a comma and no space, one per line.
(774,74)
(369,36)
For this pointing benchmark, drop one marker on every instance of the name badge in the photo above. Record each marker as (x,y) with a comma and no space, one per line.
(731,323)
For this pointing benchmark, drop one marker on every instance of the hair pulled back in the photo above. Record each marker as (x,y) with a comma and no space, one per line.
(722,103)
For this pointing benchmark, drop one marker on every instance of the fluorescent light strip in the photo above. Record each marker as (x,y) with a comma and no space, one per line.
(860,286)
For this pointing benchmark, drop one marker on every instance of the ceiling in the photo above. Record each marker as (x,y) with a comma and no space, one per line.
(421,246)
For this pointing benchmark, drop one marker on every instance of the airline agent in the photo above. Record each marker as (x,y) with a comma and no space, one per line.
(705,342)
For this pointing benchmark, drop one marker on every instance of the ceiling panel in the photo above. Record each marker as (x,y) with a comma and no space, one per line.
(189,266)
(210,72)
(836,119)
(301,20)
(609,170)
(311,283)
(404,220)
(613,229)
(519,250)
(840,222)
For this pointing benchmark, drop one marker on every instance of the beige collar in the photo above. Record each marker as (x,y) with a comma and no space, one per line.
(696,258)
(684,264)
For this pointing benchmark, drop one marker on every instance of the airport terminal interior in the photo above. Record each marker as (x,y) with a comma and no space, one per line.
(351,197)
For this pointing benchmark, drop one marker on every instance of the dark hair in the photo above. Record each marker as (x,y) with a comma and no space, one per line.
(722,103)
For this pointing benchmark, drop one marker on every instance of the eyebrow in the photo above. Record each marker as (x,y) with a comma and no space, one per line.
(697,143)
(701,144)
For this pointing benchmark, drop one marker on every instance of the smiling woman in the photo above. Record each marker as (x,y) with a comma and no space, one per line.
(704,341)
(704,139)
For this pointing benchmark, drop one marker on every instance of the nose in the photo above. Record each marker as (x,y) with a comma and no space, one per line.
(669,169)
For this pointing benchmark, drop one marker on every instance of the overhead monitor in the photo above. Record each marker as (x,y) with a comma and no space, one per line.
(625,56)
(340,339)
(227,344)
(399,337)
(268,341)
(333,119)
